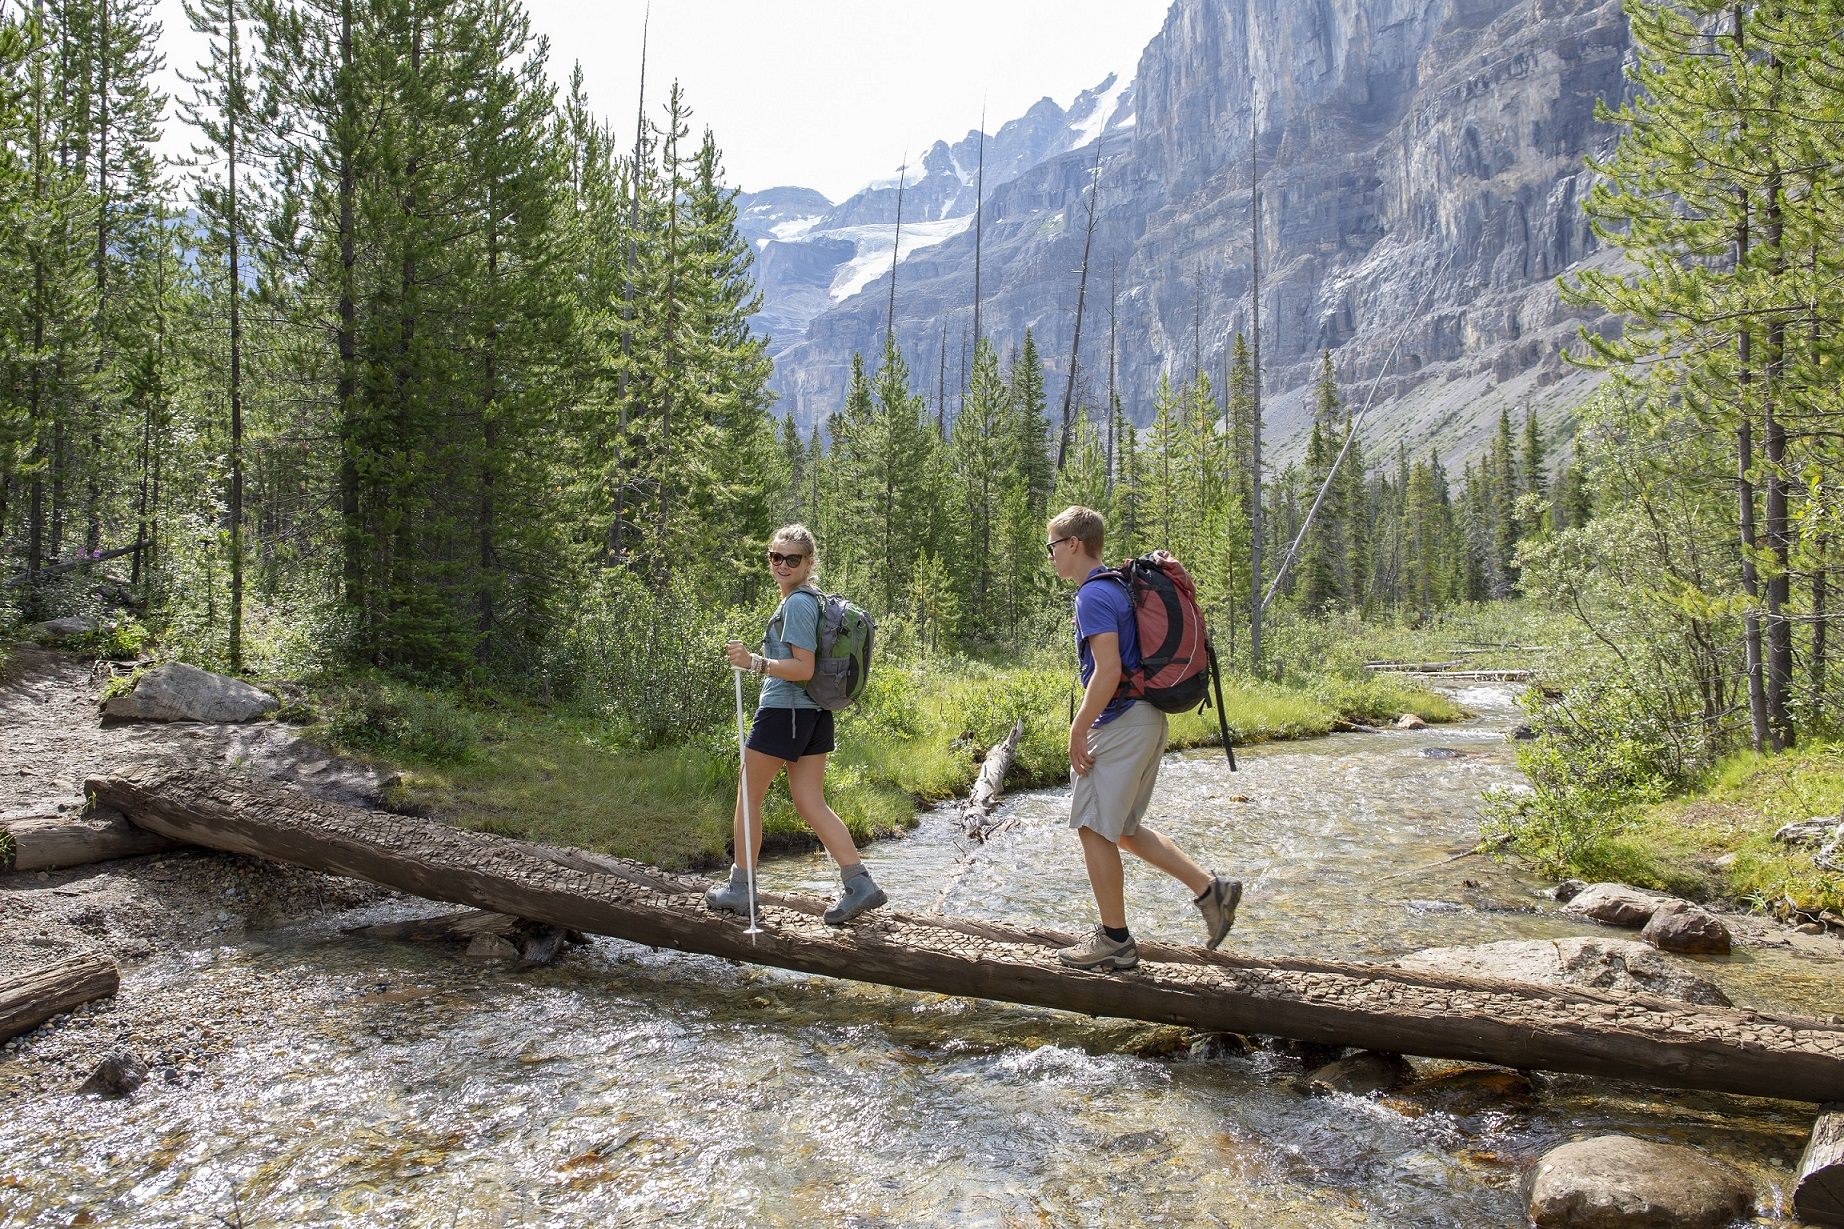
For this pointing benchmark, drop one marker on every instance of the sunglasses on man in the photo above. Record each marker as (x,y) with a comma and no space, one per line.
(1050,547)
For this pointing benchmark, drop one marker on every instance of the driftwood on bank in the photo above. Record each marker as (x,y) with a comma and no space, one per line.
(536,942)
(47,842)
(1819,1195)
(1637,1037)
(30,999)
(976,816)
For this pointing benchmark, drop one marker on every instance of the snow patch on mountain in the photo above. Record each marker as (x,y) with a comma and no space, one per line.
(874,243)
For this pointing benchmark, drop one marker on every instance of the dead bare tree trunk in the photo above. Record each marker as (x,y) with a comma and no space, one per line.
(44,842)
(976,816)
(896,253)
(627,299)
(1819,1195)
(979,221)
(1075,341)
(1627,1036)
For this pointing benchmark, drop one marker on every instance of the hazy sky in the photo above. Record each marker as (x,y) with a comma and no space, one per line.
(828,94)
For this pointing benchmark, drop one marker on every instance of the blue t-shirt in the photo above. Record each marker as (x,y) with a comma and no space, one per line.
(796,624)
(1103,606)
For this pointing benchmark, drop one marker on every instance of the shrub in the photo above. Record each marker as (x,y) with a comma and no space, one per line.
(1599,758)
(388,718)
(652,664)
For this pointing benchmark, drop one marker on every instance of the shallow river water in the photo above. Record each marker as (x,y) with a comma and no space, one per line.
(397,1086)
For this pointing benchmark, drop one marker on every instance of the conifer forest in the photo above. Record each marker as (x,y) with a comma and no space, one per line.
(420,365)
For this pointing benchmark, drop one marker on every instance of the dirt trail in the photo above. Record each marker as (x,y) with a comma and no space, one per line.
(52,737)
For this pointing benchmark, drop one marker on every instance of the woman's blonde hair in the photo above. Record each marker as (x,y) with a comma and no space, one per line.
(801,536)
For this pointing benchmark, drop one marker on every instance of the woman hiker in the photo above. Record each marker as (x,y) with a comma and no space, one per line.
(790,730)
(1115,745)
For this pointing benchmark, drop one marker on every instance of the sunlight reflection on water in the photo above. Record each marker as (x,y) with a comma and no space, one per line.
(634,1087)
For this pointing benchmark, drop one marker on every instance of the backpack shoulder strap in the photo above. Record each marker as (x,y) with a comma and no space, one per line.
(1116,574)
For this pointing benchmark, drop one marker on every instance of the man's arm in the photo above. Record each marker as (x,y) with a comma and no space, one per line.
(1104,647)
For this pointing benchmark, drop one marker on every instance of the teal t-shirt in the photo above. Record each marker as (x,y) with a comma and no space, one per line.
(797,621)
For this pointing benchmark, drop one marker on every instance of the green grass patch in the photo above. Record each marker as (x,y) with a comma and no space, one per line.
(1727,827)
(564,777)
(1713,842)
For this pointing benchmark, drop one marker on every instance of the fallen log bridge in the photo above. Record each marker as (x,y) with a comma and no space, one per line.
(1633,1037)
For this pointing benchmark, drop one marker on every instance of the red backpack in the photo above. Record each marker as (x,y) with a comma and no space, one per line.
(1177,660)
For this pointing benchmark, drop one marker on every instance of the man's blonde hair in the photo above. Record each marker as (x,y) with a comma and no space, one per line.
(1083,524)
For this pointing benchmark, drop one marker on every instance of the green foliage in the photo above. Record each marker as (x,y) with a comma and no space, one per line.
(651,664)
(119,685)
(118,639)
(1601,756)
(380,716)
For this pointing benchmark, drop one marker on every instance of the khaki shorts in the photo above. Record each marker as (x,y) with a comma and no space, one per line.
(1112,797)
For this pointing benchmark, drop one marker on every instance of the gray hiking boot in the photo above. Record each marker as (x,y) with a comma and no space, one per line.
(1218,905)
(732,897)
(1100,952)
(859,894)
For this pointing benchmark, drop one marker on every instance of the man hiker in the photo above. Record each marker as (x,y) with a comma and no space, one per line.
(1115,745)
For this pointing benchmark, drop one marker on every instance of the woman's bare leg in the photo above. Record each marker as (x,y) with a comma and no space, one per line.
(807,786)
(759,772)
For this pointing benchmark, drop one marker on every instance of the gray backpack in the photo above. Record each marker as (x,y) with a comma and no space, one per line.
(842,663)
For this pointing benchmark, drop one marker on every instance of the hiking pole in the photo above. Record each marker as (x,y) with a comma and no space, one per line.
(742,800)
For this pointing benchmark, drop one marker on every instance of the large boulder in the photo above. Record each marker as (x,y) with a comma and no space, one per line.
(1616,904)
(66,628)
(1679,926)
(1615,1182)
(1598,964)
(178,692)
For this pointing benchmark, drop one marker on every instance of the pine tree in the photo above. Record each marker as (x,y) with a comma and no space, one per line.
(1028,441)
(220,109)
(738,481)
(982,476)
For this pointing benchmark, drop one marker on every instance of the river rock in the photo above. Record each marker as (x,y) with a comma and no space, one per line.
(1520,732)
(1409,721)
(116,1076)
(64,628)
(1359,1075)
(1469,1091)
(1616,1182)
(1598,964)
(491,947)
(1616,904)
(1568,890)
(1680,926)
(179,692)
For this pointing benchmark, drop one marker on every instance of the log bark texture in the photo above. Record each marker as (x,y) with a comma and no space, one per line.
(45,842)
(1636,1037)
(1819,1195)
(976,816)
(30,999)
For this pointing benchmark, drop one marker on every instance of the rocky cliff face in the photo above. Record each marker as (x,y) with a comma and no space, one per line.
(812,254)
(1421,173)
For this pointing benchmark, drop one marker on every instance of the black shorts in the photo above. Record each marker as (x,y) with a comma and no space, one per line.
(789,733)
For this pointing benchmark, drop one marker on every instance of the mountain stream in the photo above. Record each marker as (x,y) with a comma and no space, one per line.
(379,1084)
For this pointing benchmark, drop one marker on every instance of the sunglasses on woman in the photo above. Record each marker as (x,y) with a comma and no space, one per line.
(778,559)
